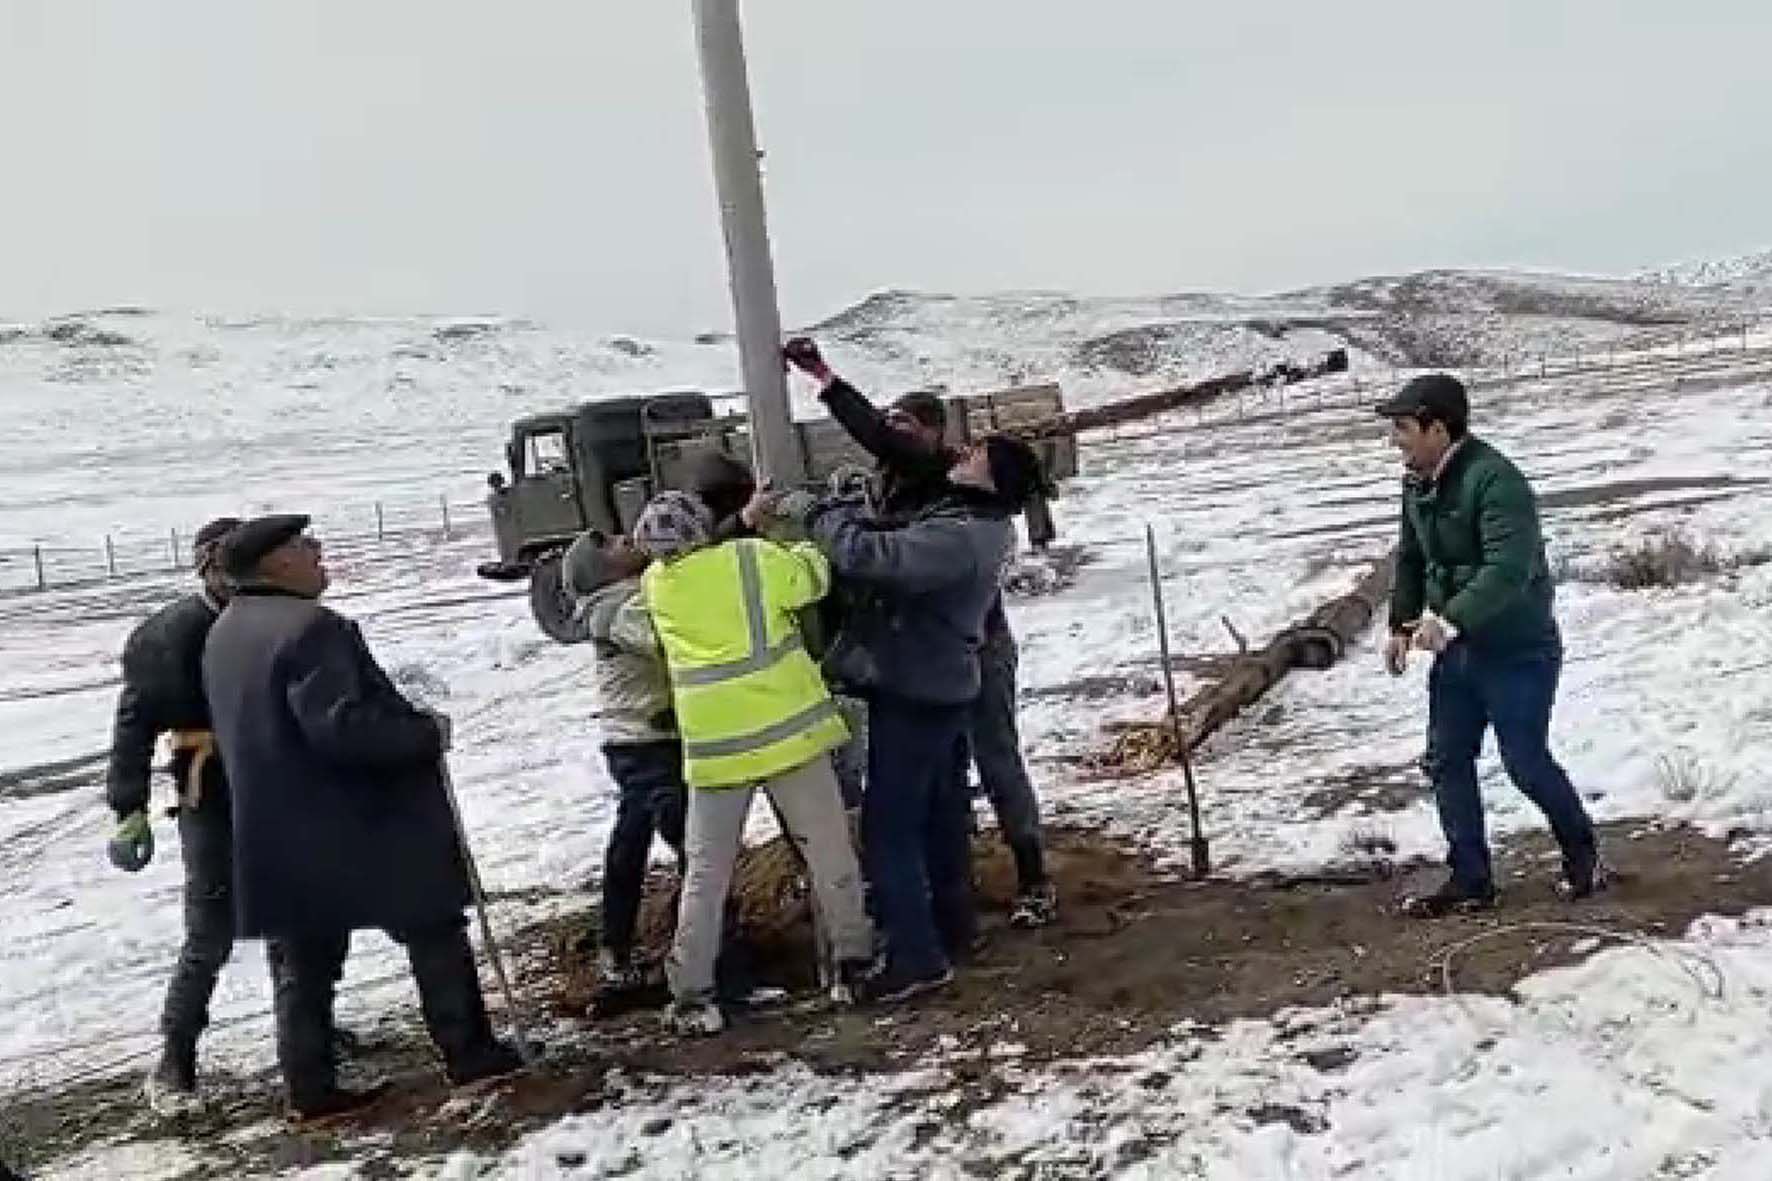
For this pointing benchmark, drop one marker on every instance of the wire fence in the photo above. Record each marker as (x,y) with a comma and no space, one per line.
(65,563)
(124,555)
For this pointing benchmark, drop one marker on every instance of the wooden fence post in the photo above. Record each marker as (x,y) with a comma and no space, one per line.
(37,556)
(443,501)
(381,528)
(110,557)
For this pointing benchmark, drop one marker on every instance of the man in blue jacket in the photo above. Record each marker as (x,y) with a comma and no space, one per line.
(911,648)
(914,464)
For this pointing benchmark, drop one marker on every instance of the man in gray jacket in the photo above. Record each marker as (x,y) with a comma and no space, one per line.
(640,742)
(912,650)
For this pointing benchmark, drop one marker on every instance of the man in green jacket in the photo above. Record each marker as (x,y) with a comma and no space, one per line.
(1473,588)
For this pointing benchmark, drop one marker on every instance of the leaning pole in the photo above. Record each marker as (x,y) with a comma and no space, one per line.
(732,136)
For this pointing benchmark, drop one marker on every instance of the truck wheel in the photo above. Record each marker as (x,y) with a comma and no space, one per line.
(550,604)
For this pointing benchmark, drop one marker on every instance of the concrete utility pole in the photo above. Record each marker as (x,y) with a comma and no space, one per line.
(733,137)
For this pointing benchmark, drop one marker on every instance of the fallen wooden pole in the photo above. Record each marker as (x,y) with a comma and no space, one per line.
(1146,405)
(1315,642)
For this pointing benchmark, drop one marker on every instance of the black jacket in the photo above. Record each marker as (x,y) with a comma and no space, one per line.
(162,690)
(912,475)
(340,816)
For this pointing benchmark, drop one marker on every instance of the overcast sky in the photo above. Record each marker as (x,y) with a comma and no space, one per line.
(548,158)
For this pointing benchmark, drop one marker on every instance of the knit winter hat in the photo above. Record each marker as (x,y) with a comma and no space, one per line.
(672,524)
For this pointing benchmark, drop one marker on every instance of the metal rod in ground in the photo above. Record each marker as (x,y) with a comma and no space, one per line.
(519,1025)
(1200,849)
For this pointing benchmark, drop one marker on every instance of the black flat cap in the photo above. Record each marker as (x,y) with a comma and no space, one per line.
(1438,396)
(242,549)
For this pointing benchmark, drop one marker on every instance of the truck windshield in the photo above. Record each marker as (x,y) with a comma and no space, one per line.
(547,453)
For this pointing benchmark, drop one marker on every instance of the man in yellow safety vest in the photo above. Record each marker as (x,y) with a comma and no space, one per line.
(754,712)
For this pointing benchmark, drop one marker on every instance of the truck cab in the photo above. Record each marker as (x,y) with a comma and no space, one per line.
(594,467)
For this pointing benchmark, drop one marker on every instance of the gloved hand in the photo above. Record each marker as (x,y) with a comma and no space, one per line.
(802,354)
(851,481)
(1434,634)
(132,846)
(1396,654)
(767,506)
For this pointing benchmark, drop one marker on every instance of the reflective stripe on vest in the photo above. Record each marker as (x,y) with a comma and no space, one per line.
(761,655)
(717,748)
(750,701)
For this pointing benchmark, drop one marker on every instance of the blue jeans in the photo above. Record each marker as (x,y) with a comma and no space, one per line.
(1469,691)
(915,832)
(653,800)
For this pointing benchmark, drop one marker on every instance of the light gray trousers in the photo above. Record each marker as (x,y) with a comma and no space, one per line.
(809,805)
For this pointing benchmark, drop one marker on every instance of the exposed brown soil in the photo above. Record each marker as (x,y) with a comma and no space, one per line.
(1134,952)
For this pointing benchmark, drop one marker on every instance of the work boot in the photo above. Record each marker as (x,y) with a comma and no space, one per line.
(1451,898)
(334,1103)
(1584,874)
(171,1090)
(695,1018)
(617,972)
(1035,906)
(493,1060)
(891,985)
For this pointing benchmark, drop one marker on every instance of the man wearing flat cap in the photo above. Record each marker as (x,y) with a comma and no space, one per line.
(162,694)
(341,819)
(1473,588)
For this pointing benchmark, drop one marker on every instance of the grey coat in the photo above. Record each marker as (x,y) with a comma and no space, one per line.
(340,816)
(928,584)
(633,686)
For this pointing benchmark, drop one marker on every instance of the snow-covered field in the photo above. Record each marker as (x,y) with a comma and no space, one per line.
(1621,1067)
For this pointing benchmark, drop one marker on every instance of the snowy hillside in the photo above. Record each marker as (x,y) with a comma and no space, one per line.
(1118,1043)
(1751,271)
(132,422)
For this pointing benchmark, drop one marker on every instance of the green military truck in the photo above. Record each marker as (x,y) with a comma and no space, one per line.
(595,465)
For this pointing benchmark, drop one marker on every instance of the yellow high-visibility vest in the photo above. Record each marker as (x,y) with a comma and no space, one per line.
(749,700)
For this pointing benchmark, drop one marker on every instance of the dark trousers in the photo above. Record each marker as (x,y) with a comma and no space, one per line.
(1469,691)
(305,971)
(206,836)
(653,800)
(915,832)
(996,748)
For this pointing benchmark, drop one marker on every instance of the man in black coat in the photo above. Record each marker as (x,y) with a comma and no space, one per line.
(163,694)
(341,819)
(914,464)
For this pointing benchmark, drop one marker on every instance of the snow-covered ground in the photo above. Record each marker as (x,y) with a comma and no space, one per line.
(1621,1067)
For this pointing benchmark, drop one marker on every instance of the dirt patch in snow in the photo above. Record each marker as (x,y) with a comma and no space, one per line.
(1134,953)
